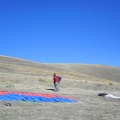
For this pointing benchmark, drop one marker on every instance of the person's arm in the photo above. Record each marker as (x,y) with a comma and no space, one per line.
(54,80)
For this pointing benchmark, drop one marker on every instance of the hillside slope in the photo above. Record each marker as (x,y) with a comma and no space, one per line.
(99,71)
(9,65)
(79,81)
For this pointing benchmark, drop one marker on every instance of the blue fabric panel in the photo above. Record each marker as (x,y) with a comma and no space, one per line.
(17,97)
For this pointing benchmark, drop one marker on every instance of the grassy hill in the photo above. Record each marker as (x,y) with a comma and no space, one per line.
(99,71)
(11,65)
(81,81)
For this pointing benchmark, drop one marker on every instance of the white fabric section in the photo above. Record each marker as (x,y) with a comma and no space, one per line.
(112,96)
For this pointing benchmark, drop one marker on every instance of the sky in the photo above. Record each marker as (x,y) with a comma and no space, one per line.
(61,31)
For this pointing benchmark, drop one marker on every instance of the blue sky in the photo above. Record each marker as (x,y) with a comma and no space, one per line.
(61,31)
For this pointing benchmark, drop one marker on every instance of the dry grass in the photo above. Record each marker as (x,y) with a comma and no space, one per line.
(81,82)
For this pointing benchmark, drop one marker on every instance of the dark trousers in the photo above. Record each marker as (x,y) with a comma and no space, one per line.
(56,86)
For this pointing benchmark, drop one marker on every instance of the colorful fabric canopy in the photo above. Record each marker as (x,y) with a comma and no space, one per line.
(33,97)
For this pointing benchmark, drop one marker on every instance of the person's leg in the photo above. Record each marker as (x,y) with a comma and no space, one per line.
(56,86)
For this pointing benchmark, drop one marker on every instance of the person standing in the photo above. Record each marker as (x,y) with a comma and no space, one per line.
(56,82)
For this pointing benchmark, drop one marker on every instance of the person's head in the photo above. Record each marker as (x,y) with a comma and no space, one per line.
(54,74)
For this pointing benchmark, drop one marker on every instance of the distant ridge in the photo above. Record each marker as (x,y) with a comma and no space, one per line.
(16,58)
(30,67)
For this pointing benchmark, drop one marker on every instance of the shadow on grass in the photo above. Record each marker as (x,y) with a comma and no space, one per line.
(50,89)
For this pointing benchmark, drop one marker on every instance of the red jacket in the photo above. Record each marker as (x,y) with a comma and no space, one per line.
(55,78)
